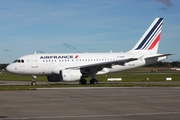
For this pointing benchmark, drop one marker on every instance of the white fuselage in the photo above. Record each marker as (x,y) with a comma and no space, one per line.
(47,64)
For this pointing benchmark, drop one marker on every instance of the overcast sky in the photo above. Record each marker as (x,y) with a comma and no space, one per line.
(62,26)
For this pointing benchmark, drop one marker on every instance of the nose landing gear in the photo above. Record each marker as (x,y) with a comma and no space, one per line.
(33,82)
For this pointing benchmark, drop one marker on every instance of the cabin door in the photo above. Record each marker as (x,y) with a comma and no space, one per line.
(34,63)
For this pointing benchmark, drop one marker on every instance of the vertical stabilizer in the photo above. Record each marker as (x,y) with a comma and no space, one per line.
(149,42)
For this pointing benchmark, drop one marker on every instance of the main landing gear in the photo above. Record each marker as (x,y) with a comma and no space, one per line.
(92,81)
(82,81)
(33,82)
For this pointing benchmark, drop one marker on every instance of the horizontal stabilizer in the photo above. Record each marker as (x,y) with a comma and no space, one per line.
(156,56)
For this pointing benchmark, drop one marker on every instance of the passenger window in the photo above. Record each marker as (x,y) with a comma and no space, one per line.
(22,61)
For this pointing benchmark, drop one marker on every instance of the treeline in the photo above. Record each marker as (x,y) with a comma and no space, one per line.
(166,64)
(3,66)
(158,64)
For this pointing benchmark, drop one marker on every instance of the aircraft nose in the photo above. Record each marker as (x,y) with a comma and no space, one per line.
(10,68)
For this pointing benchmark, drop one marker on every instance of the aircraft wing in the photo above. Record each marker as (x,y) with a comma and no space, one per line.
(108,64)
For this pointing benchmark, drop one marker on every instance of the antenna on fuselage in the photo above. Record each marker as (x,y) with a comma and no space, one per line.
(35,52)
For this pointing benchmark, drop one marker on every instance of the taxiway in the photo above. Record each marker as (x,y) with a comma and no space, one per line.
(86,103)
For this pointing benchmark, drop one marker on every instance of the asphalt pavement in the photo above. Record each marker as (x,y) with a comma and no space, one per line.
(86,103)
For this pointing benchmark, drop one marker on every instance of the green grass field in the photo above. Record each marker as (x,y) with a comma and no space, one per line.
(136,75)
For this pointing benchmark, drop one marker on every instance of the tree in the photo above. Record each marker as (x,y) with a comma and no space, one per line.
(175,64)
(3,66)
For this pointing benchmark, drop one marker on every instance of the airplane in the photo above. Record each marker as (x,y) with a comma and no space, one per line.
(77,66)
(175,68)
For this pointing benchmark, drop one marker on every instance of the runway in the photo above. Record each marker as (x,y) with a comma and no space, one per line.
(86,103)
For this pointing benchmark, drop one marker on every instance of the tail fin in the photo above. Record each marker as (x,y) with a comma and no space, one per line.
(149,42)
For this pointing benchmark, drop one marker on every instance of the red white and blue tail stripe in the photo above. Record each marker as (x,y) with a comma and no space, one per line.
(150,40)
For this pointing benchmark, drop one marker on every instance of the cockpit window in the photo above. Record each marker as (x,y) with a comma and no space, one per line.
(19,61)
(15,61)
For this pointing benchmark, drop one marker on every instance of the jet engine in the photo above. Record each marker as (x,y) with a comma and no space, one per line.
(65,75)
(70,75)
(54,78)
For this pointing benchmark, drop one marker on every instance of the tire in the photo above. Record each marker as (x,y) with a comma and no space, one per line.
(33,83)
(83,81)
(93,81)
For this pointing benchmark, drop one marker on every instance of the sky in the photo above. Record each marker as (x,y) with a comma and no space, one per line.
(62,26)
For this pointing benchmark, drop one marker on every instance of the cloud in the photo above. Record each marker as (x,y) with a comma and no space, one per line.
(168,3)
(163,8)
(6,50)
(68,46)
(40,51)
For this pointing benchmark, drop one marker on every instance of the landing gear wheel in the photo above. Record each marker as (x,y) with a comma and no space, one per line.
(93,81)
(82,81)
(33,80)
(33,83)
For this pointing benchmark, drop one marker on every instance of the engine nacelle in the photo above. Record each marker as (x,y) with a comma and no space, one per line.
(65,75)
(70,75)
(54,78)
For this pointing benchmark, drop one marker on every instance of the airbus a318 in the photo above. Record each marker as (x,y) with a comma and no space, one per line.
(77,66)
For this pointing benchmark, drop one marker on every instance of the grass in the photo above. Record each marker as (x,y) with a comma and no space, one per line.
(28,87)
(13,77)
(126,77)
(141,75)
(138,75)
(135,75)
